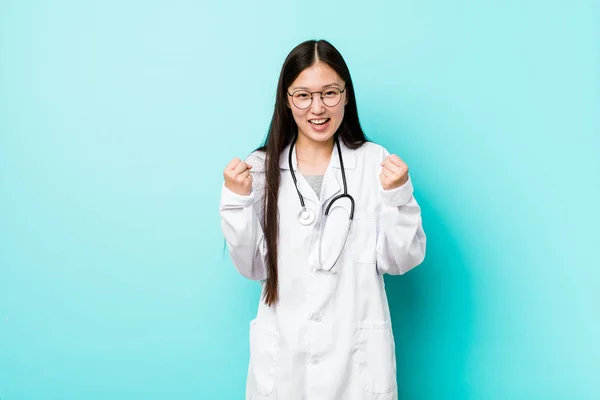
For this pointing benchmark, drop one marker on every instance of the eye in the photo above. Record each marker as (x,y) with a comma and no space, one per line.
(330,93)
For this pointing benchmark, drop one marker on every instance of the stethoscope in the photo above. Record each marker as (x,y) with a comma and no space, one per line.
(307,215)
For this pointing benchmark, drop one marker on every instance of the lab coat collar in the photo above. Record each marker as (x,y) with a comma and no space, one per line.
(332,184)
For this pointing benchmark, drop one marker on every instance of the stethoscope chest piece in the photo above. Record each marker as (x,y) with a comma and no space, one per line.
(306,216)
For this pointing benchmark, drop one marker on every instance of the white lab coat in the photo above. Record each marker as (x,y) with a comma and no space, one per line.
(329,337)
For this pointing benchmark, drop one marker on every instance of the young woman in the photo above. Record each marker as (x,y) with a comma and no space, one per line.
(318,215)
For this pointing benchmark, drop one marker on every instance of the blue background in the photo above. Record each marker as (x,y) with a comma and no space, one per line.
(118,118)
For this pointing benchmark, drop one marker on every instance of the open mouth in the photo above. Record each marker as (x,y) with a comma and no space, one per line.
(318,122)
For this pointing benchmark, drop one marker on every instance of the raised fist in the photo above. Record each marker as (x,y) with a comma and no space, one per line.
(237,177)
(394,172)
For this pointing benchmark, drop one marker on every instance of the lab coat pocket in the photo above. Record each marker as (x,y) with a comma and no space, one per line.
(364,237)
(376,357)
(264,348)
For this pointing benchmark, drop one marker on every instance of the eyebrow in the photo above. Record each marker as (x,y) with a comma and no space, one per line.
(322,87)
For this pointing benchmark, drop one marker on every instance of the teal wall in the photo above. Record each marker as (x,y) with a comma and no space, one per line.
(118,117)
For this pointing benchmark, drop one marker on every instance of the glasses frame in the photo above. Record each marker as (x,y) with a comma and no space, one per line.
(311,96)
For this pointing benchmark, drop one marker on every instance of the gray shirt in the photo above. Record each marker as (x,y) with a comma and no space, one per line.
(315,181)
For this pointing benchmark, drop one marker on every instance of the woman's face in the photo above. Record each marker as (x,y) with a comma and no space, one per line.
(319,121)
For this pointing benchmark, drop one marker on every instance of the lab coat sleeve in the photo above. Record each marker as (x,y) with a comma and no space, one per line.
(240,223)
(400,239)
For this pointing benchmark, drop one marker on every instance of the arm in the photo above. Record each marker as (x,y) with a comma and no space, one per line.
(401,241)
(241,226)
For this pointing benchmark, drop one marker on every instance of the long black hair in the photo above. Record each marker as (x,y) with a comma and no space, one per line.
(283,130)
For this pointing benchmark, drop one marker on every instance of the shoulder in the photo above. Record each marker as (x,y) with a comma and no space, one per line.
(257,160)
(372,151)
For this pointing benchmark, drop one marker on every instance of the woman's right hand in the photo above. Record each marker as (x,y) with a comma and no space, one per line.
(238,178)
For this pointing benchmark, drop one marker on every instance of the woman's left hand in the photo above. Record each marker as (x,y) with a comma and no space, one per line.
(394,172)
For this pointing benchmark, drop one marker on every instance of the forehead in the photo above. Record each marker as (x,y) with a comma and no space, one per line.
(316,76)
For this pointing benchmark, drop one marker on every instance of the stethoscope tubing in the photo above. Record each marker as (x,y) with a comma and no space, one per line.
(307,216)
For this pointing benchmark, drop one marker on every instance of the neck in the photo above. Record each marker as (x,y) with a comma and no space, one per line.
(313,157)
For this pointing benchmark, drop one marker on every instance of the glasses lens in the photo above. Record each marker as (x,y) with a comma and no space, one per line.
(302,99)
(331,97)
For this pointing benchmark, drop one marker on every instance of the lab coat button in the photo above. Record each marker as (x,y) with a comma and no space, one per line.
(316,318)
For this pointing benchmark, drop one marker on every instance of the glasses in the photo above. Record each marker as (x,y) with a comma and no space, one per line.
(303,98)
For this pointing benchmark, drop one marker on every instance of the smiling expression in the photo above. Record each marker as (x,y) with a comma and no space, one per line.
(318,122)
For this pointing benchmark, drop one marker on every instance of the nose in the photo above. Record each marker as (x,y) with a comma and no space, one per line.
(317,106)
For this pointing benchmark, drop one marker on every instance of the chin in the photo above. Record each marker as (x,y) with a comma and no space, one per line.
(319,136)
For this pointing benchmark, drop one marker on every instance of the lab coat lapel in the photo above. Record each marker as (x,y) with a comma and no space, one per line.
(303,186)
(331,185)
(332,182)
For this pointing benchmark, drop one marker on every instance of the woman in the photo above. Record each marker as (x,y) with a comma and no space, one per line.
(318,215)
